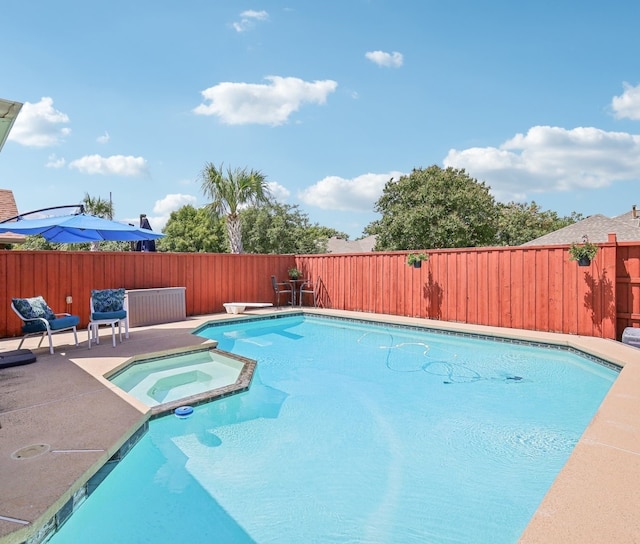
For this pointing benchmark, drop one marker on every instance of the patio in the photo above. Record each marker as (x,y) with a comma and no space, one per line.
(65,421)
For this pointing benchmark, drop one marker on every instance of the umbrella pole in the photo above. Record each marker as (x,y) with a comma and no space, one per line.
(20,216)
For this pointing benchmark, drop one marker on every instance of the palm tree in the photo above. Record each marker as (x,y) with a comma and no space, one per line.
(100,207)
(240,188)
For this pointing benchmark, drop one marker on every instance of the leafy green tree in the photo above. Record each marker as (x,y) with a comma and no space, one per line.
(239,188)
(114,245)
(518,223)
(283,229)
(191,230)
(434,208)
(38,243)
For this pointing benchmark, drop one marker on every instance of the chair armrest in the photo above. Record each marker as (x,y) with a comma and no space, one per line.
(62,313)
(25,319)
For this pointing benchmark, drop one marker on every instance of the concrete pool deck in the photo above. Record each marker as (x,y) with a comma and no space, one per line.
(60,421)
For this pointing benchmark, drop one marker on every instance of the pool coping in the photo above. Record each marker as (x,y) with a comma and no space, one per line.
(594,498)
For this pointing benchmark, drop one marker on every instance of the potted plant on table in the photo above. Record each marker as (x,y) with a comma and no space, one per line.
(583,252)
(294,273)
(415,259)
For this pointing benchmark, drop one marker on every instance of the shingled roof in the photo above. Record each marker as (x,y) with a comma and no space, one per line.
(9,209)
(339,245)
(626,227)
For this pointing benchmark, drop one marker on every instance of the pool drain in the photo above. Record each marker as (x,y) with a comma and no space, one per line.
(29,452)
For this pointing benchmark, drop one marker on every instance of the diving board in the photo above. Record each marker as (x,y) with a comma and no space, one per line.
(240,307)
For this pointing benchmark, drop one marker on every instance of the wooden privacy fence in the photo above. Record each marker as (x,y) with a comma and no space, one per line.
(528,287)
(210,279)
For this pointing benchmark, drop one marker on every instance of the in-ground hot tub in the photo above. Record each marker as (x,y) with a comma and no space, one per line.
(169,380)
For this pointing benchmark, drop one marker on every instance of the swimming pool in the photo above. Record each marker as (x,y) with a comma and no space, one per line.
(354,432)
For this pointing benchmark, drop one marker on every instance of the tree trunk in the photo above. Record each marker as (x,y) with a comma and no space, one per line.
(234,230)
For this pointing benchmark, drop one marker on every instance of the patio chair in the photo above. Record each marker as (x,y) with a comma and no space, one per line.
(38,318)
(280,289)
(108,307)
(308,287)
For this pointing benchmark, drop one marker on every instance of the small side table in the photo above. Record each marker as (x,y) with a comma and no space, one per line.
(93,332)
(295,285)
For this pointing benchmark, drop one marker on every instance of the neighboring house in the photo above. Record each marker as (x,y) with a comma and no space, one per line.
(596,228)
(8,209)
(339,245)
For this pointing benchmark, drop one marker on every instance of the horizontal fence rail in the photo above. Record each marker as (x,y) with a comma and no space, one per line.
(527,287)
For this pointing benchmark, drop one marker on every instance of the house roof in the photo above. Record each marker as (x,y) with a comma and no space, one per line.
(338,245)
(597,228)
(632,217)
(9,209)
(8,112)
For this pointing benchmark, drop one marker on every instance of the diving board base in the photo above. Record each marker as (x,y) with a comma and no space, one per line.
(240,307)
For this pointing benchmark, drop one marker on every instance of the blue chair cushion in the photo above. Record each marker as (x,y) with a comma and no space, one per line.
(65,322)
(97,316)
(107,300)
(31,308)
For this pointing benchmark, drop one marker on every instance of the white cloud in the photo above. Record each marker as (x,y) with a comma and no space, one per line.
(253,14)
(248,20)
(627,105)
(40,125)
(358,194)
(104,138)
(264,104)
(550,159)
(279,192)
(388,60)
(162,209)
(54,162)
(116,165)
(173,202)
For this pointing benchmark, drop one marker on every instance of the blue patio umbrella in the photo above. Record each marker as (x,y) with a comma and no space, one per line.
(78,228)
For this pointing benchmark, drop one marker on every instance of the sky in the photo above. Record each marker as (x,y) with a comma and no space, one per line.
(330,100)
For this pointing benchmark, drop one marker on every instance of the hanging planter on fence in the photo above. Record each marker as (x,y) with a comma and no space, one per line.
(584,252)
(415,259)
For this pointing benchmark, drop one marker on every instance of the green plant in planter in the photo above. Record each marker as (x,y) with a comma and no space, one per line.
(583,252)
(415,259)
(294,273)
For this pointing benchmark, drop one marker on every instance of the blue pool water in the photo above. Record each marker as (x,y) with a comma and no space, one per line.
(354,433)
